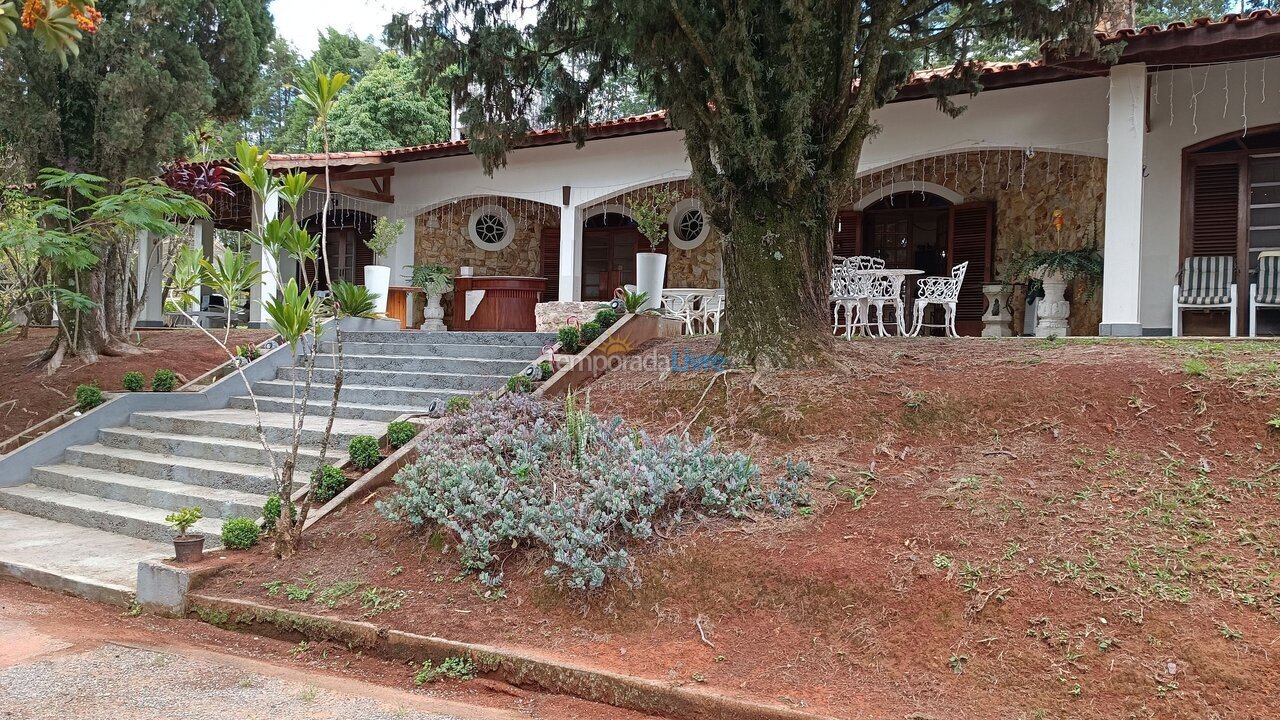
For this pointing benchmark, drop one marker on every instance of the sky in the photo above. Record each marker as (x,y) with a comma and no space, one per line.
(299,21)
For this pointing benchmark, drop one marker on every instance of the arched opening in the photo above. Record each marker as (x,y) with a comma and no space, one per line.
(610,240)
(908,230)
(1231,209)
(347,247)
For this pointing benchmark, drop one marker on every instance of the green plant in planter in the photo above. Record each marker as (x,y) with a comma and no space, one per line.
(519,383)
(606,317)
(133,381)
(570,339)
(239,533)
(385,234)
(164,380)
(434,279)
(184,519)
(651,214)
(1082,263)
(633,301)
(364,451)
(326,482)
(353,300)
(546,369)
(401,433)
(590,331)
(88,397)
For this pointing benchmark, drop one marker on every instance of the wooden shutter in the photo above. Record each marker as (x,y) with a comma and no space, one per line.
(549,243)
(971,236)
(846,237)
(363,256)
(1214,221)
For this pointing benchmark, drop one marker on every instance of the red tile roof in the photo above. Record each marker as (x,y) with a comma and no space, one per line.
(1231,19)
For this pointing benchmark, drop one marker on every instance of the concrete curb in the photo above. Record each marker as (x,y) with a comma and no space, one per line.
(511,666)
(84,587)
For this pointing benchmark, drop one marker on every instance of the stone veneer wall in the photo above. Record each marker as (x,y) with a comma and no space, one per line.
(699,267)
(1025,190)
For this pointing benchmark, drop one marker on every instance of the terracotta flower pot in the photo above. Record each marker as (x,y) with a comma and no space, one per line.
(188,548)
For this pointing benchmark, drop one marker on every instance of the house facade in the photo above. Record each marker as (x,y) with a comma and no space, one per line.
(1172,152)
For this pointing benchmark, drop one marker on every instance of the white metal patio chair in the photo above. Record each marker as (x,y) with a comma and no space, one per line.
(1205,282)
(850,295)
(711,311)
(886,290)
(1265,293)
(939,290)
(682,307)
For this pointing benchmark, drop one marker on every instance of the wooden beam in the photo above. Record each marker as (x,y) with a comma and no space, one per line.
(363,174)
(356,192)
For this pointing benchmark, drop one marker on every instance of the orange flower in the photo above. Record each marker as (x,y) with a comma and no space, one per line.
(33,10)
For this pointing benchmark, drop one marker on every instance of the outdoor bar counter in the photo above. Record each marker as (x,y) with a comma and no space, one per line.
(496,303)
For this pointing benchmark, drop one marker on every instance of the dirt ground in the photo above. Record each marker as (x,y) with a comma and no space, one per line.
(1001,529)
(28,396)
(62,656)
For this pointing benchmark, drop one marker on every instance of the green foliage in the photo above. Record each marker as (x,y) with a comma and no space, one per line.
(519,383)
(164,380)
(293,313)
(326,482)
(513,473)
(134,381)
(606,317)
(433,279)
(1084,263)
(184,519)
(590,331)
(453,668)
(650,214)
(546,369)
(401,433)
(271,512)
(88,397)
(1274,422)
(364,451)
(385,234)
(388,108)
(633,301)
(1196,367)
(248,351)
(239,533)
(570,339)
(319,91)
(458,404)
(376,601)
(353,300)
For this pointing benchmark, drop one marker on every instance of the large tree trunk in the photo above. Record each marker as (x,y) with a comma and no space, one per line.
(103,329)
(777,268)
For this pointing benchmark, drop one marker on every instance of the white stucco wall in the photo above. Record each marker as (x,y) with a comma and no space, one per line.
(1188,106)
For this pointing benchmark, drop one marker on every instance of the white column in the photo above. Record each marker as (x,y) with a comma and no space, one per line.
(1122,244)
(570,253)
(267,288)
(149,281)
(202,239)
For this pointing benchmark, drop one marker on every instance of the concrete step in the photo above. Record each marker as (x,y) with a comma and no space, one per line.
(164,494)
(249,452)
(466,338)
(395,378)
(412,349)
(352,392)
(139,521)
(241,477)
(379,414)
(426,364)
(240,424)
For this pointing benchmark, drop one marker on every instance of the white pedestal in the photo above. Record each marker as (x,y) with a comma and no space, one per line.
(995,323)
(1052,312)
(433,314)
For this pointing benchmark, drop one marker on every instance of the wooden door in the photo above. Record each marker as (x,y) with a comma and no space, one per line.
(970,238)
(549,246)
(609,260)
(846,236)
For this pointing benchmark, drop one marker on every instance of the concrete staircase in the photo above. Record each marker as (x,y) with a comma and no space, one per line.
(133,476)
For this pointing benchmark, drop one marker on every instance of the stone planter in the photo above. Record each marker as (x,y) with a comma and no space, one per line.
(995,323)
(1054,309)
(650,270)
(433,314)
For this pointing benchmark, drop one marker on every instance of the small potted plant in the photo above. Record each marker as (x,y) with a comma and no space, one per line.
(651,267)
(377,278)
(435,280)
(186,548)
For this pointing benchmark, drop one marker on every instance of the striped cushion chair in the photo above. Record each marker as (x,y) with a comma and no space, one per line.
(1265,293)
(1205,282)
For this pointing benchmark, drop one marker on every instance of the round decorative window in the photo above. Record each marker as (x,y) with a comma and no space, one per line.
(491,227)
(687,224)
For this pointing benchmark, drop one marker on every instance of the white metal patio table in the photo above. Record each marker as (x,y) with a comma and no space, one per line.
(896,276)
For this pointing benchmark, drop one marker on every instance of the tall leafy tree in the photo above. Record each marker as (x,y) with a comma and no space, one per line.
(153,72)
(336,52)
(386,110)
(774,97)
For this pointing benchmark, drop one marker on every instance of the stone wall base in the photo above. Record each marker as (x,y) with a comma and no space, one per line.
(551,316)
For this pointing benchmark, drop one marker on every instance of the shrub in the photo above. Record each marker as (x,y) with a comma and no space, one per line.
(401,433)
(364,451)
(633,300)
(354,300)
(88,397)
(570,339)
(546,369)
(519,383)
(239,533)
(606,317)
(457,404)
(184,519)
(590,331)
(248,351)
(164,380)
(326,482)
(134,381)
(452,667)
(489,485)
(271,512)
